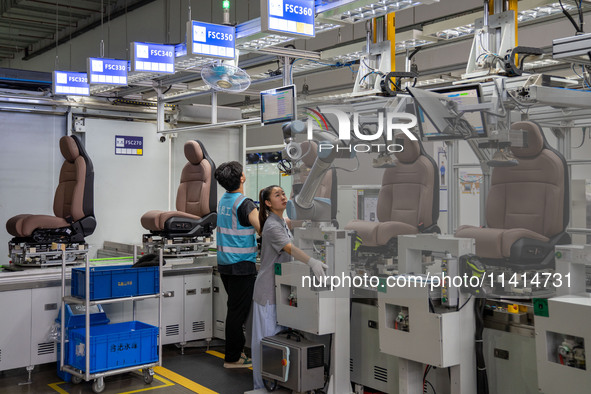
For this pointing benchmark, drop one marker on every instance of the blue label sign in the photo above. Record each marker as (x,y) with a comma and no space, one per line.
(180,49)
(291,16)
(211,40)
(70,83)
(153,57)
(129,145)
(107,71)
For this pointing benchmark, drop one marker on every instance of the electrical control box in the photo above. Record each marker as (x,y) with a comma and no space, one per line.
(296,363)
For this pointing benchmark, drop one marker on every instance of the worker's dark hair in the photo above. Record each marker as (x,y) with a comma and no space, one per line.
(228,175)
(265,195)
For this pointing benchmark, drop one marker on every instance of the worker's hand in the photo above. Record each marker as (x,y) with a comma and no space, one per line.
(318,267)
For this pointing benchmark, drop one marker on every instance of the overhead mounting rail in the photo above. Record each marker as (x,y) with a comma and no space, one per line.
(249,38)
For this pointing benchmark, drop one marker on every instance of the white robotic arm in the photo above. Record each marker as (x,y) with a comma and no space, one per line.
(305,206)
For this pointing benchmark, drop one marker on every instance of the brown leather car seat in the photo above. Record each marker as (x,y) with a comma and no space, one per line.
(408,202)
(527,207)
(73,204)
(195,201)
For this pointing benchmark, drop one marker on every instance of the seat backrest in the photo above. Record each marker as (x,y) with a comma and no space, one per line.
(74,196)
(197,193)
(328,187)
(533,194)
(410,190)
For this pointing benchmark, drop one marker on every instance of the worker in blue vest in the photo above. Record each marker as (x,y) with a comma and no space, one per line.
(237,225)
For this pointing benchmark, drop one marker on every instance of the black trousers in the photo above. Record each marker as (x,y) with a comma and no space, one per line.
(239,289)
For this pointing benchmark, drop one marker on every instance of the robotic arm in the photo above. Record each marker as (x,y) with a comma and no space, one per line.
(305,206)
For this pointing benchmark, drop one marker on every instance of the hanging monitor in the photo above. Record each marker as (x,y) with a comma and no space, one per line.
(278,105)
(70,83)
(152,57)
(288,17)
(210,40)
(442,115)
(107,71)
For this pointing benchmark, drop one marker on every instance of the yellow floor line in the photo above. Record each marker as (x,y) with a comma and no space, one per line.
(56,387)
(219,355)
(167,383)
(182,381)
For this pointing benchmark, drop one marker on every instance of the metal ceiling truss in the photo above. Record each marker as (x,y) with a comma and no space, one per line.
(330,14)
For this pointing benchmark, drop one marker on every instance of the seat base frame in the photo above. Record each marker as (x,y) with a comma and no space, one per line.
(28,253)
(176,246)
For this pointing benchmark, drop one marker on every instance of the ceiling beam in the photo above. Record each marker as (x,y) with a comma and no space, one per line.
(79,7)
(47,13)
(63,20)
(27,20)
(26,26)
(115,14)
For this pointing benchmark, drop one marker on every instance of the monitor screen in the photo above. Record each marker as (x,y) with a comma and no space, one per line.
(278,105)
(272,366)
(442,119)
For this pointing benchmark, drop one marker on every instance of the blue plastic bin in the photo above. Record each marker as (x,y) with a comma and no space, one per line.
(114,346)
(75,318)
(115,282)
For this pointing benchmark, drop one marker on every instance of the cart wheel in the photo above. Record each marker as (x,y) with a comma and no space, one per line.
(98,386)
(76,380)
(148,375)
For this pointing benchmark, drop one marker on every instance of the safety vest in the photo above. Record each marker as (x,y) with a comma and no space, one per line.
(235,242)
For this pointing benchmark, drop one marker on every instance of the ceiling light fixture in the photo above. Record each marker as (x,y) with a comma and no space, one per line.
(361,10)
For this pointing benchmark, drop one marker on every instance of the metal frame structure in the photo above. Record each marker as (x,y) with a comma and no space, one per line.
(98,385)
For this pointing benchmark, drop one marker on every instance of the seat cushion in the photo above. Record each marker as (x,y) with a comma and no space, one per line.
(24,225)
(367,231)
(155,220)
(378,234)
(389,230)
(495,243)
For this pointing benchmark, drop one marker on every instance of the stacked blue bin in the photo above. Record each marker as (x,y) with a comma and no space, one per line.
(117,345)
(115,282)
(75,318)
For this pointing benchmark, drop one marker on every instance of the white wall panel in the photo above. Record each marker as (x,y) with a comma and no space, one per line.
(30,161)
(125,187)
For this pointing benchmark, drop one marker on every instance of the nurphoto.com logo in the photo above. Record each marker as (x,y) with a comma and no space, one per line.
(388,122)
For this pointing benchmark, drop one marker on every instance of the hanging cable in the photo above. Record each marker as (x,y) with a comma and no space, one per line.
(102,45)
(57,61)
(126,40)
(481,375)
(413,53)
(570,18)
(109,30)
(583,141)
(580,9)
(189,10)
(70,32)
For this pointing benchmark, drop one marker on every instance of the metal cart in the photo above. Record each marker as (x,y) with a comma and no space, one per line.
(79,375)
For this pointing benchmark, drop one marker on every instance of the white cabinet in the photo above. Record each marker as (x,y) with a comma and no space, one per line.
(198,307)
(44,309)
(15,329)
(186,307)
(172,310)
(220,307)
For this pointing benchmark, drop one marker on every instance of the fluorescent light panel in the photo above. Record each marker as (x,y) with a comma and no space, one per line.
(522,16)
(357,11)
(543,11)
